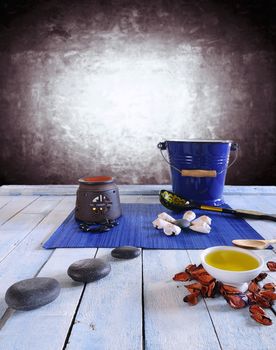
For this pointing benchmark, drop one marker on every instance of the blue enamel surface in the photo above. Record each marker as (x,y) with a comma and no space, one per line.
(204,156)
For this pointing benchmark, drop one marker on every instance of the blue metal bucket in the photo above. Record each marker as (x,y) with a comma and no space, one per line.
(198,168)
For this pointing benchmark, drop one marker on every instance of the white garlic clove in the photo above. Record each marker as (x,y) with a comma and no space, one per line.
(171,229)
(176,230)
(202,227)
(159,223)
(203,218)
(189,215)
(165,216)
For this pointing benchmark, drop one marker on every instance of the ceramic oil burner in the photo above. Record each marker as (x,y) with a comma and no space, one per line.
(97,200)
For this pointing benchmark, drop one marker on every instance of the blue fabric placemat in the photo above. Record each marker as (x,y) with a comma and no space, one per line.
(135,228)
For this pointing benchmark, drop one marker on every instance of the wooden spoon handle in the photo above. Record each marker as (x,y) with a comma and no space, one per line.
(270,241)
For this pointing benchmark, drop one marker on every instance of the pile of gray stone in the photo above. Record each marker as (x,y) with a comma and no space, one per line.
(35,292)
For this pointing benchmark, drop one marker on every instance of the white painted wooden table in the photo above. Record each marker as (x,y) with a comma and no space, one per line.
(137,306)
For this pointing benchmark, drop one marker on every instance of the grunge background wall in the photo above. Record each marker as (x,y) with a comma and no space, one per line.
(90,87)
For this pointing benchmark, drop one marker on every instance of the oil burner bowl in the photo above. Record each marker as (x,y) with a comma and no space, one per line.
(238,279)
(97,200)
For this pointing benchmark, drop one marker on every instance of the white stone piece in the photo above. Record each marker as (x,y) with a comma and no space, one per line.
(201,227)
(166,217)
(189,215)
(171,229)
(159,223)
(203,218)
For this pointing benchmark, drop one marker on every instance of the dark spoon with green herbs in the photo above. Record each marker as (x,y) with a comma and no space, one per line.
(176,203)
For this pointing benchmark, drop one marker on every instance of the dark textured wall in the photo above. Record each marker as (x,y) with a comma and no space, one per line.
(90,87)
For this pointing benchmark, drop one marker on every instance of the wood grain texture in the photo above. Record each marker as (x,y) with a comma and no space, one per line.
(26,260)
(169,322)
(137,305)
(110,315)
(4,200)
(264,203)
(14,206)
(69,190)
(199,173)
(46,328)
(20,225)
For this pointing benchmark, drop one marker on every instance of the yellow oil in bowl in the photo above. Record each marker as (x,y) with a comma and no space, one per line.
(231,260)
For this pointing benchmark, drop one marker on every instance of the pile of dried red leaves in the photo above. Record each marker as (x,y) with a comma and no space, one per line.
(207,287)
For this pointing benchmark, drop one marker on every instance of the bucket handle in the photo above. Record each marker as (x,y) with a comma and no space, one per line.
(234,147)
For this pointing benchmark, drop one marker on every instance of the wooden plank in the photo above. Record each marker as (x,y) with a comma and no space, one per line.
(20,225)
(110,315)
(47,327)
(11,236)
(17,267)
(267,204)
(235,328)
(38,190)
(14,206)
(263,203)
(43,205)
(28,257)
(4,200)
(44,190)
(139,199)
(153,189)
(48,225)
(169,322)
(249,190)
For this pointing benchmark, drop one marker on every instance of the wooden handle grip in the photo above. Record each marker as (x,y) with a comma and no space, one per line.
(199,173)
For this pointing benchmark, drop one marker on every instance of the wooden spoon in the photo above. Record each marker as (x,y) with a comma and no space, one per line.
(253,243)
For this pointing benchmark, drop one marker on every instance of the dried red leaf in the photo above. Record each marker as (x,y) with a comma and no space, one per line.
(190,268)
(192,299)
(204,291)
(260,277)
(269,286)
(271,265)
(256,309)
(194,287)
(253,287)
(251,298)
(207,286)
(211,290)
(268,294)
(221,289)
(235,301)
(266,321)
(226,289)
(198,271)
(263,302)
(216,288)
(205,278)
(182,277)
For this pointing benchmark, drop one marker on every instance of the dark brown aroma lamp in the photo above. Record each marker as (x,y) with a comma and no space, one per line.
(97,200)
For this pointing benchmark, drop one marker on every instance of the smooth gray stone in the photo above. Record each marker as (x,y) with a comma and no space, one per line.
(88,270)
(32,293)
(126,252)
(183,223)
